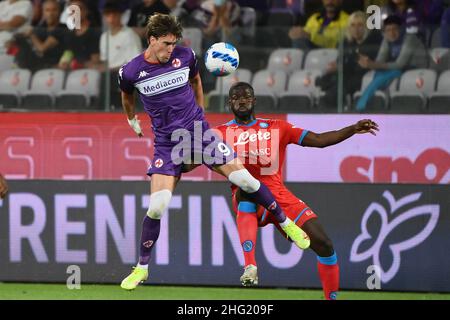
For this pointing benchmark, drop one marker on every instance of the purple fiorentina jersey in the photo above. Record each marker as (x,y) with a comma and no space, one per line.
(165,91)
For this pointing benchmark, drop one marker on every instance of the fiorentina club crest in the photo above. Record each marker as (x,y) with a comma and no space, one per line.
(272,206)
(159,163)
(148,243)
(176,63)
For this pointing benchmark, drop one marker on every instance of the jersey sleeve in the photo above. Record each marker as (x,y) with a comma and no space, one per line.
(125,84)
(193,65)
(292,133)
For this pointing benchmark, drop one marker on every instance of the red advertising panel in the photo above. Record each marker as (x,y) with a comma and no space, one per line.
(81,146)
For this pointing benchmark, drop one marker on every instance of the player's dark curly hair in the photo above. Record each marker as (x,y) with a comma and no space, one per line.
(160,25)
(241,84)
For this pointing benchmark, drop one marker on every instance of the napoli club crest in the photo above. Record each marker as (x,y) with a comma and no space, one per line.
(176,63)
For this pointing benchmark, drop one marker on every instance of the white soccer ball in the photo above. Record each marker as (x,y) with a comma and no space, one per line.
(221,59)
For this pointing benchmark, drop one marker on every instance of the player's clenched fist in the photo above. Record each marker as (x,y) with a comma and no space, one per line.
(366,125)
(3,187)
(135,124)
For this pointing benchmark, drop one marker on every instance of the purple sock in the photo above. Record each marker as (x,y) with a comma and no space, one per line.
(265,198)
(150,233)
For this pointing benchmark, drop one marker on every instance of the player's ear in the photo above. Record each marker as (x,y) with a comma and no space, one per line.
(229,104)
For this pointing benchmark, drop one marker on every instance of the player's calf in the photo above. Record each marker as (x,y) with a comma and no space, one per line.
(257,192)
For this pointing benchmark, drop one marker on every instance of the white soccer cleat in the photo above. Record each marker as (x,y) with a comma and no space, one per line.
(250,276)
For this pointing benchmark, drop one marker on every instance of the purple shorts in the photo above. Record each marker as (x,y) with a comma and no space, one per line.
(201,145)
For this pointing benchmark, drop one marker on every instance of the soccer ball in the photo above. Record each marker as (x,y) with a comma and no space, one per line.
(221,59)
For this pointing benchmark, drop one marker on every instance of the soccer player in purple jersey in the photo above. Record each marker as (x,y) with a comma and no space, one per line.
(169,85)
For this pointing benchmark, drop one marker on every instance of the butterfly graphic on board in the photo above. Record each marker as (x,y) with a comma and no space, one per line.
(369,246)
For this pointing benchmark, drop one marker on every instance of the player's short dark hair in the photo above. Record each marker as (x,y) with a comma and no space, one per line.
(243,85)
(393,19)
(160,25)
(52,1)
(112,6)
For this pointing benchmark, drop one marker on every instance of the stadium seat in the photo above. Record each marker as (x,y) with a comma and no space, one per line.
(440,100)
(439,59)
(268,86)
(217,102)
(6,62)
(253,58)
(279,21)
(288,60)
(415,87)
(380,101)
(281,17)
(301,93)
(266,102)
(435,41)
(12,85)
(248,21)
(192,37)
(224,83)
(265,38)
(318,59)
(82,88)
(266,81)
(45,84)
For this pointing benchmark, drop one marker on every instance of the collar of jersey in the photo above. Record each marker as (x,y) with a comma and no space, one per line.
(239,124)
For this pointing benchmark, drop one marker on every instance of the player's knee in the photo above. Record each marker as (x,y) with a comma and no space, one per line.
(325,247)
(244,180)
(159,202)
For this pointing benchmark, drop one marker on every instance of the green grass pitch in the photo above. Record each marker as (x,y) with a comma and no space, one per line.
(19,291)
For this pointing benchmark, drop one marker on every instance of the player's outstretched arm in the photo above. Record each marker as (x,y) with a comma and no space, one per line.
(3,187)
(129,109)
(325,139)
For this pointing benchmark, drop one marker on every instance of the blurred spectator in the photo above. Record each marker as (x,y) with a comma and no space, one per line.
(15,15)
(358,40)
(323,29)
(213,16)
(92,10)
(296,6)
(261,7)
(430,12)
(141,12)
(122,44)
(399,51)
(81,45)
(351,6)
(173,5)
(118,45)
(379,3)
(42,46)
(407,11)
(225,14)
(37,12)
(445,29)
